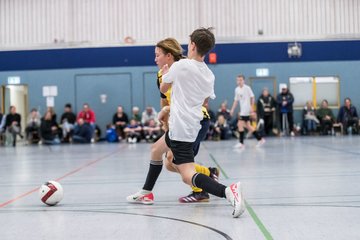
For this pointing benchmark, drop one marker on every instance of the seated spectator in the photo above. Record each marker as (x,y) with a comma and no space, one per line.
(1,116)
(83,132)
(136,114)
(2,122)
(53,114)
(133,131)
(266,106)
(326,118)
(68,119)
(148,114)
(120,120)
(88,116)
(348,117)
(49,130)
(2,127)
(151,131)
(13,124)
(310,120)
(212,116)
(223,110)
(32,129)
(111,135)
(221,129)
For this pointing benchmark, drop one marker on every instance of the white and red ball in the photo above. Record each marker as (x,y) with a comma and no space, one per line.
(51,193)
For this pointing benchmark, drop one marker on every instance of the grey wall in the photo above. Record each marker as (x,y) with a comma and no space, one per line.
(136,86)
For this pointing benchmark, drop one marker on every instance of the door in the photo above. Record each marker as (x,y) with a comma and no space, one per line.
(151,91)
(103,93)
(257,84)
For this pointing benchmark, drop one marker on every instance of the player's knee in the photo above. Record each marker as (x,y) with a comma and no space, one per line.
(155,153)
(168,165)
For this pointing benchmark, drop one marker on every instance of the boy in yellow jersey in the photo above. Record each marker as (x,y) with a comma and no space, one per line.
(169,51)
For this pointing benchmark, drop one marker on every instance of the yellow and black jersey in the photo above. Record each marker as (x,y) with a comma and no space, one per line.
(205,113)
(167,95)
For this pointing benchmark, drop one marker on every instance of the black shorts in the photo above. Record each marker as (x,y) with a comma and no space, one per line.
(183,151)
(244,118)
(205,124)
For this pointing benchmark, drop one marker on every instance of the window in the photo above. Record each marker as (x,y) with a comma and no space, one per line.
(315,89)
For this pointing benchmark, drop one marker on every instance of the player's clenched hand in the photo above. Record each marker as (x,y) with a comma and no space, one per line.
(165,69)
(164,114)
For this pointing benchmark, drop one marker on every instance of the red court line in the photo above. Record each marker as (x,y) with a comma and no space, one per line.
(60,178)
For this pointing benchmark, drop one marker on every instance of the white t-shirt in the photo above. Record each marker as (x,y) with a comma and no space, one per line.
(244,95)
(192,82)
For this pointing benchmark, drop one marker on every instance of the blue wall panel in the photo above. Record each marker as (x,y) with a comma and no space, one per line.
(144,55)
(60,67)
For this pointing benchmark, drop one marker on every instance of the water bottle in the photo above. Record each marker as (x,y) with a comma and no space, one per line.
(350,131)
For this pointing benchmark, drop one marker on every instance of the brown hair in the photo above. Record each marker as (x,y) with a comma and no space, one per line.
(241,76)
(204,40)
(172,46)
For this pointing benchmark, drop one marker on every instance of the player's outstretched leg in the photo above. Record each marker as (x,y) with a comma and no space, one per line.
(145,196)
(198,194)
(233,193)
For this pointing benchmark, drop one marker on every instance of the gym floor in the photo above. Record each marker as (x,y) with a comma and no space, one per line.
(295,188)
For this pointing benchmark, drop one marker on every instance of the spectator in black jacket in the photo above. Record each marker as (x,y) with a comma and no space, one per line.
(285,102)
(266,106)
(348,117)
(120,120)
(49,129)
(68,119)
(82,132)
(13,124)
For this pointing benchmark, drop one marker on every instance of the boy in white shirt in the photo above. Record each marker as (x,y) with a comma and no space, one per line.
(192,84)
(245,96)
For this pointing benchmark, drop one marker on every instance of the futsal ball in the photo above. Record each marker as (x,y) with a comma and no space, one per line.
(51,193)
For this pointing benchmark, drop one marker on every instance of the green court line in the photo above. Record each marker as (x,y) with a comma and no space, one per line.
(251,211)
(218,165)
(256,219)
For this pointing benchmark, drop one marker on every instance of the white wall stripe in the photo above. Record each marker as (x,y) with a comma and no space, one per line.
(107,22)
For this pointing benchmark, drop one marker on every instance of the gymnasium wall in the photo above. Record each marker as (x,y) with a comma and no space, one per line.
(127,74)
(76,23)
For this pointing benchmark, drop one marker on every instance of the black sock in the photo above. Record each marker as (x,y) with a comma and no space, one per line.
(242,134)
(153,174)
(256,135)
(208,185)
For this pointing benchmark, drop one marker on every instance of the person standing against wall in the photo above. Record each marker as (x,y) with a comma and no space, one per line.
(266,106)
(285,102)
(246,99)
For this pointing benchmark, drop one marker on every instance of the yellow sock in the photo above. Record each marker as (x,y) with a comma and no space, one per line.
(196,189)
(202,169)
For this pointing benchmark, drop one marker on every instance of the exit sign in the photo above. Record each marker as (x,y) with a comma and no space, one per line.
(13,80)
(262,72)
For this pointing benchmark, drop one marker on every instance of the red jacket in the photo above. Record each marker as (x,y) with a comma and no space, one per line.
(88,117)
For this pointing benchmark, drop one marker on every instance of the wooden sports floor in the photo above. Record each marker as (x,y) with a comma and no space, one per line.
(295,188)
